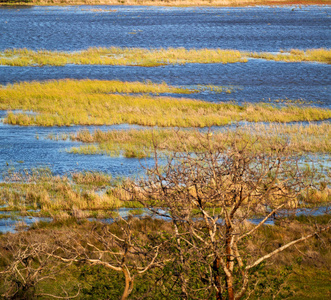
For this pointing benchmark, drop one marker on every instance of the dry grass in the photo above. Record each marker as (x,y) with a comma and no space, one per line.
(151,57)
(295,55)
(119,56)
(54,193)
(140,143)
(93,102)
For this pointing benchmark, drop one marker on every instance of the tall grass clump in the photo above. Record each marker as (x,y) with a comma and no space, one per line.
(93,102)
(83,191)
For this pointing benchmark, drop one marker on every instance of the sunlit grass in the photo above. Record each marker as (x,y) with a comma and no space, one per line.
(119,56)
(44,191)
(295,55)
(93,102)
(151,57)
(312,138)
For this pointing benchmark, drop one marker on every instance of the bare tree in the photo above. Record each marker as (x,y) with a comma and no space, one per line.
(210,195)
(25,265)
(117,247)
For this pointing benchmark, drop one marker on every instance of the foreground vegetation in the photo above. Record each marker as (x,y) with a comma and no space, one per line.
(201,244)
(151,57)
(93,102)
(300,273)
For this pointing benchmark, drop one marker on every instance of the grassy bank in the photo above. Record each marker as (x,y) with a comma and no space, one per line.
(140,143)
(151,57)
(179,3)
(92,102)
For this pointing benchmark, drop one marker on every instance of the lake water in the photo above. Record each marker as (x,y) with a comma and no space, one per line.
(74,28)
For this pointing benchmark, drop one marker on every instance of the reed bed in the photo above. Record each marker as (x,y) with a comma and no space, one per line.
(312,138)
(81,194)
(80,191)
(151,57)
(93,102)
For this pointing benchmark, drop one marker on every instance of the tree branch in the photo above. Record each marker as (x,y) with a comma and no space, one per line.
(285,247)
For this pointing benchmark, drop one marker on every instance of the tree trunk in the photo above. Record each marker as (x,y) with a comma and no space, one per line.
(217,278)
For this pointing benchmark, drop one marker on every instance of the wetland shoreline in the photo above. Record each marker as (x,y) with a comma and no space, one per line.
(171,3)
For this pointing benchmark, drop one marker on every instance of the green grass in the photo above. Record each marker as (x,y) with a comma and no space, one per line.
(300,272)
(93,102)
(151,57)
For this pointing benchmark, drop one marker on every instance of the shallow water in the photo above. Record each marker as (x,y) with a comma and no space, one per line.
(28,147)
(12,224)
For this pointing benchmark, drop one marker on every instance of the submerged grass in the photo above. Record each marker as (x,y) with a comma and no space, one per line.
(151,57)
(312,138)
(295,55)
(94,102)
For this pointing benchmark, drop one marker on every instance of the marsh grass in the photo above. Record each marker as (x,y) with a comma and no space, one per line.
(93,102)
(312,138)
(119,56)
(151,57)
(295,55)
(92,178)
(54,193)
